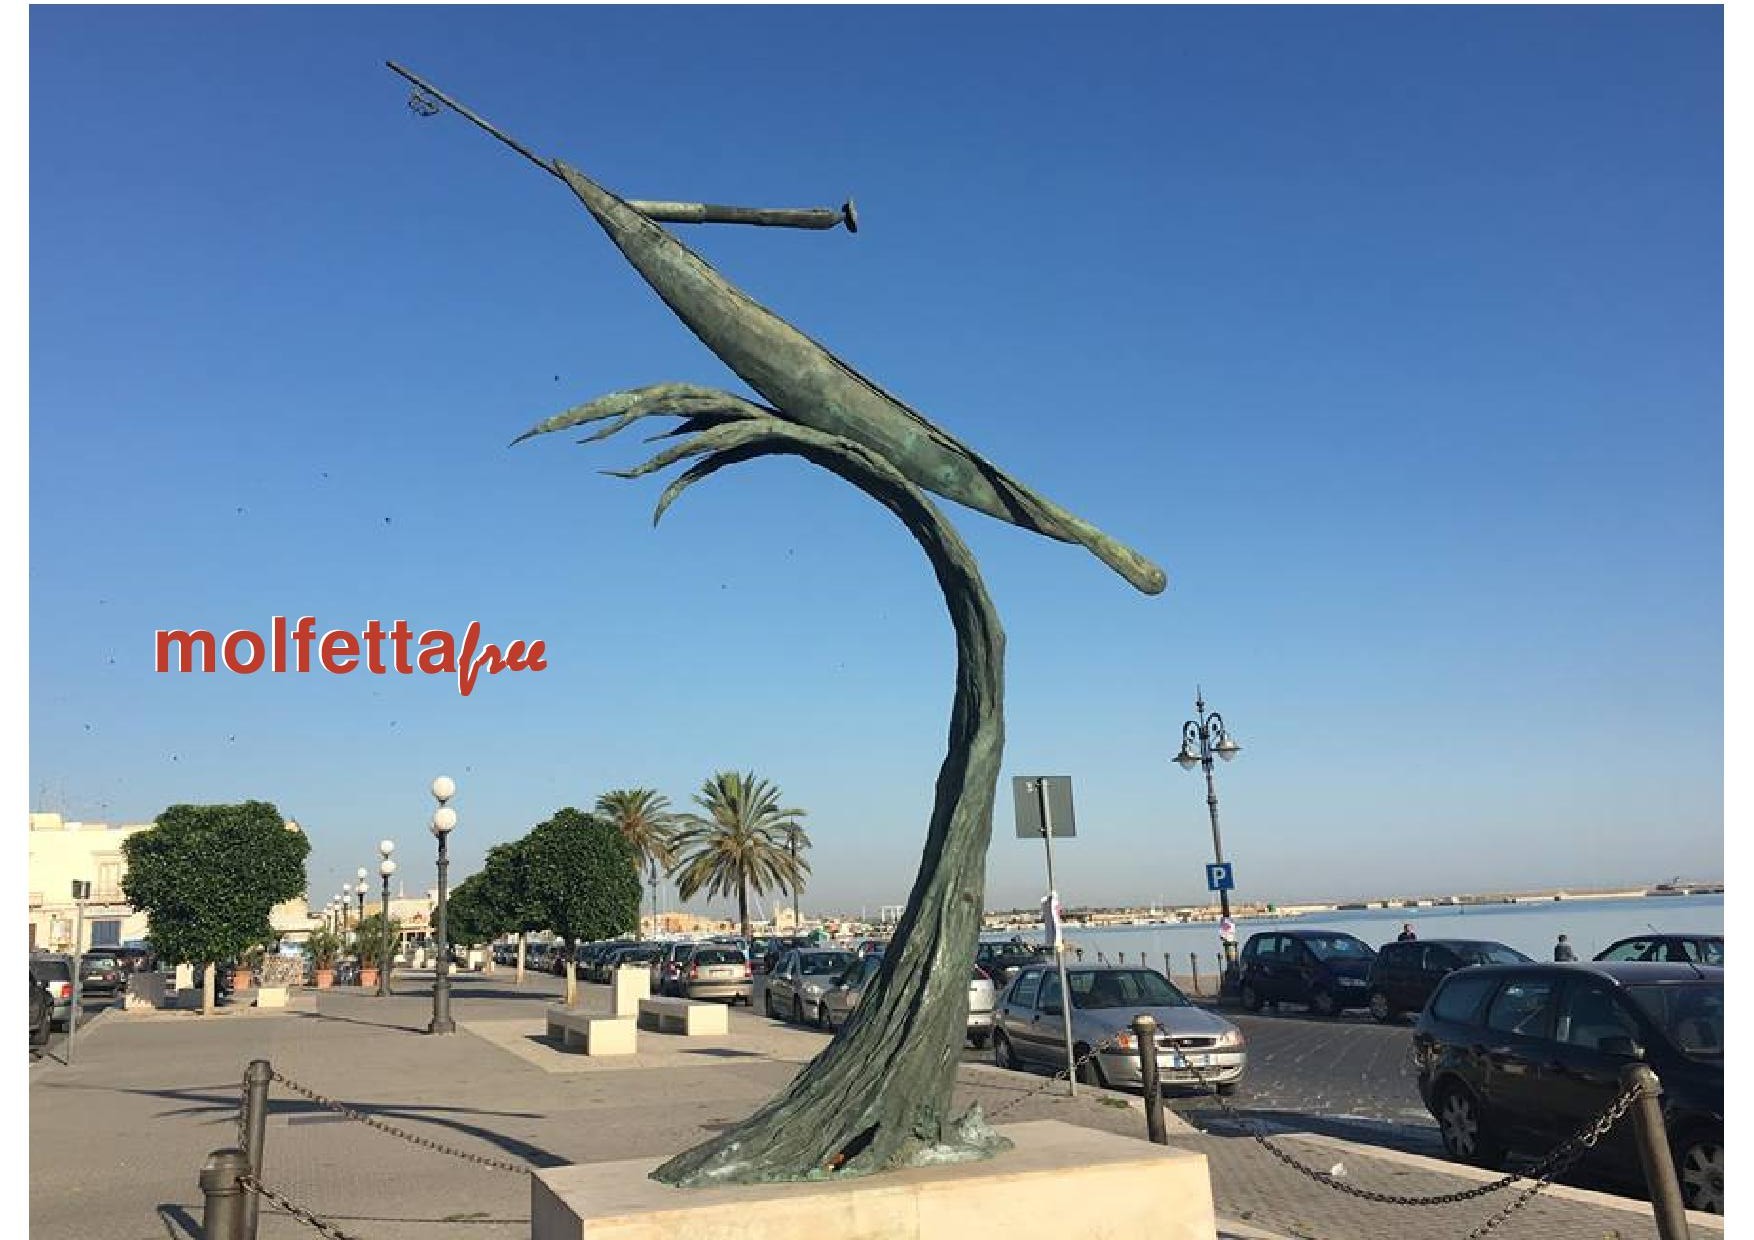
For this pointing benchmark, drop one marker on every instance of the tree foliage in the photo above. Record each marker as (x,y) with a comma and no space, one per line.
(208,876)
(580,872)
(739,845)
(497,899)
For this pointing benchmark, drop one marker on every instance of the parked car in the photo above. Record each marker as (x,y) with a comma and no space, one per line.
(600,963)
(796,983)
(836,1005)
(1675,948)
(1003,960)
(42,1011)
(134,959)
(713,971)
(667,967)
(56,973)
(1325,969)
(100,974)
(638,956)
(1403,975)
(1520,1057)
(1194,1045)
(777,948)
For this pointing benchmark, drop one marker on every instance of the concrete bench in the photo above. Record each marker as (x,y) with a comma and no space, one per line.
(595,1035)
(689,1017)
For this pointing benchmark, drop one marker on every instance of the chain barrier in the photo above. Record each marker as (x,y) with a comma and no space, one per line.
(1557,1160)
(1107,1044)
(298,1212)
(243,1142)
(341,1108)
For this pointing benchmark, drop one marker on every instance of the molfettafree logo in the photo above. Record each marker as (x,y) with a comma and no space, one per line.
(434,652)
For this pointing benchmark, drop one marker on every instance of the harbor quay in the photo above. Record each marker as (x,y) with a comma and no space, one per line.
(376,1129)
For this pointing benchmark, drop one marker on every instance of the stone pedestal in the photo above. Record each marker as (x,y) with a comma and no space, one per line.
(1060,1182)
(271,997)
(631,985)
(145,992)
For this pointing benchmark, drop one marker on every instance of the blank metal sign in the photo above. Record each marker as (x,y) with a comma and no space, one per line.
(1027,797)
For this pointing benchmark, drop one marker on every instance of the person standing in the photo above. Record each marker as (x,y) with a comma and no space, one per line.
(1406,935)
(1562,950)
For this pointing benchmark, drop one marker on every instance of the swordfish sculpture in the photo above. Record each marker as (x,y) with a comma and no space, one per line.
(879,1097)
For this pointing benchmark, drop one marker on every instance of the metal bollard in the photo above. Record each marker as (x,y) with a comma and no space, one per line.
(222,1217)
(257,1078)
(1145,1034)
(1193,964)
(1653,1152)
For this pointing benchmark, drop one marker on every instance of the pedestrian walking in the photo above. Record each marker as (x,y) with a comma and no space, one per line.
(1406,935)
(1562,949)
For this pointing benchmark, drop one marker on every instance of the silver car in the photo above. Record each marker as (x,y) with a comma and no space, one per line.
(837,1004)
(797,982)
(1194,1046)
(713,971)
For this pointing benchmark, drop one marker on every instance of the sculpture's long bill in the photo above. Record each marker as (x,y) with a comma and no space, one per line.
(814,387)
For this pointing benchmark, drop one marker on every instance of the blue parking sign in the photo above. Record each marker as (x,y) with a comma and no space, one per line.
(1219,877)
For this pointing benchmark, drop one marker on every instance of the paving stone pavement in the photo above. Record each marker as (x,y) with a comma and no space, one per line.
(118,1138)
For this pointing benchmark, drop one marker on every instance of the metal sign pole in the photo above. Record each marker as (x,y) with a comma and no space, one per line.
(78,953)
(1047,838)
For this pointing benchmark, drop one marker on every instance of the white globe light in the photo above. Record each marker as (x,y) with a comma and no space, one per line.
(361,877)
(386,847)
(386,867)
(444,788)
(443,820)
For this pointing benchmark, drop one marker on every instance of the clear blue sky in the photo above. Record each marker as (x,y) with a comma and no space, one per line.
(1395,335)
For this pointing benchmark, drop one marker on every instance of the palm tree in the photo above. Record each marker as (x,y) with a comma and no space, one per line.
(797,840)
(644,819)
(741,842)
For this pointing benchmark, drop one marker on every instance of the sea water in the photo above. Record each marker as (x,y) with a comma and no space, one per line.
(1532,928)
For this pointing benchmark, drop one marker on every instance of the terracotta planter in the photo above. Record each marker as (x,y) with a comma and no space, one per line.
(325,978)
(368,977)
(242,979)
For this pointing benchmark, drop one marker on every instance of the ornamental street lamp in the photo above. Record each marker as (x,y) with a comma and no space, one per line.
(1201,738)
(444,819)
(359,891)
(386,867)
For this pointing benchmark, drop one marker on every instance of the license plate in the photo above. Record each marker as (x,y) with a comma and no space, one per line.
(718,974)
(1179,1060)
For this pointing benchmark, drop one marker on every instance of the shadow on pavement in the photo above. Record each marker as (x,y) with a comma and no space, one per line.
(221,1103)
(354,1020)
(179,1224)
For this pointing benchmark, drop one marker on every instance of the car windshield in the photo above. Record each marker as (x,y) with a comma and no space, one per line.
(1692,1014)
(817,964)
(718,955)
(51,970)
(1093,990)
(1338,947)
(1489,953)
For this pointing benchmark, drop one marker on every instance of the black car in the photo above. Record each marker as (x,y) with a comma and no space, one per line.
(1673,948)
(100,974)
(42,1011)
(1003,961)
(1325,969)
(1403,975)
(1517,1058)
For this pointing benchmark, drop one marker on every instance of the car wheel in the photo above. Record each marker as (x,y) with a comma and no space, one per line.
(1002,1054)
(1699,1165)
(822,1016)
(1463,1129)
(1089,1071)
(767,1002)
(1322,1003)
(1251,998)
(797,1010)
(1379,1007)
(979,1037)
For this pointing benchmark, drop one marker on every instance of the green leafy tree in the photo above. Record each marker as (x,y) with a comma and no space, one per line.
(647,824)
(739,845)
(208,876)
(580,872)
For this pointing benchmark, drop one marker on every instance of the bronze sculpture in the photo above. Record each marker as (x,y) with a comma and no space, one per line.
(879,1096)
